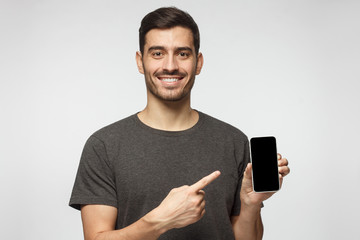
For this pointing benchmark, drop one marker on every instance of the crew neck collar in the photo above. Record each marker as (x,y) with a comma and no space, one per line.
(170,133)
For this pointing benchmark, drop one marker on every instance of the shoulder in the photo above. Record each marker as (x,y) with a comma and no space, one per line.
(115,130)
(220,128)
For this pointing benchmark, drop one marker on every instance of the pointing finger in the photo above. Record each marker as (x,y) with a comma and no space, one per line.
(205,181)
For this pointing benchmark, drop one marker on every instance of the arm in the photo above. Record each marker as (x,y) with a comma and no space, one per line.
(99,223)
(182,206)
(248,225)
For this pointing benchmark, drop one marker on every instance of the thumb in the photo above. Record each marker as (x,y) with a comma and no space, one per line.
(247,172)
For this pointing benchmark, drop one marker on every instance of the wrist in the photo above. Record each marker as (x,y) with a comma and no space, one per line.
(251,208)
(250,202)
(154,223)
(250,205)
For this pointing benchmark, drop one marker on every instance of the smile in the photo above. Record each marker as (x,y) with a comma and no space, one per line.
(169,80)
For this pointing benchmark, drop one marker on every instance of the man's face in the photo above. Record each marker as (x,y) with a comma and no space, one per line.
(169,63)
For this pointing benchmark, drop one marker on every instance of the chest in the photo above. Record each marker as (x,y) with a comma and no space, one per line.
(149,169)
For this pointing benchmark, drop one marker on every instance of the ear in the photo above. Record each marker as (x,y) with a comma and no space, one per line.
(200,62)
(139,62)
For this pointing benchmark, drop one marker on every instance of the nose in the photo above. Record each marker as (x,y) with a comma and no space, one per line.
(170,63)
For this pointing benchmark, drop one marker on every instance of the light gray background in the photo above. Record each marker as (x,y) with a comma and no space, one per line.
(280,67)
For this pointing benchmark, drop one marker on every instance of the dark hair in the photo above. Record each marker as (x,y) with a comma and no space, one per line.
(165,18)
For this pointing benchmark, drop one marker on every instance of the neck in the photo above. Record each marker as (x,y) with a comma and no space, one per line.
(168,115)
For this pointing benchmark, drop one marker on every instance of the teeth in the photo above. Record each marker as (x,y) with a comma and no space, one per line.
(169,80)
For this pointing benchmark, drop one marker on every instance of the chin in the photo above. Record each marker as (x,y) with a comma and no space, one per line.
(172,97)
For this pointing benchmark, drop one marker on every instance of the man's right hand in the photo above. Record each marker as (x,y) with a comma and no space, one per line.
(182,206)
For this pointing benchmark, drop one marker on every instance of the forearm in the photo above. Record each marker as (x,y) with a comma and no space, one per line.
(138,230)
(143,229)
(248,225)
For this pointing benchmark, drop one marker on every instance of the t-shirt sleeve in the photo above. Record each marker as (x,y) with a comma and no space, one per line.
(242,155)
(95,182)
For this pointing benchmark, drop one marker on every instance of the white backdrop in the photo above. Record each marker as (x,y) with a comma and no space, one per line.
(280,67)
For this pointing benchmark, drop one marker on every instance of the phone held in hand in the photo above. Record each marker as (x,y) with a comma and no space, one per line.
(265,173)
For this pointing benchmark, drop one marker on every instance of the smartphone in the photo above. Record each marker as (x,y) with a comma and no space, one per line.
(265,173)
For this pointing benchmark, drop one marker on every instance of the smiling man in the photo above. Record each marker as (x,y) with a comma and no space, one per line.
(169,62)
(145,176)
(171,49)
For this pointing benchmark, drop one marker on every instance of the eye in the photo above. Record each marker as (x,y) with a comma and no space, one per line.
(157,54)
(183,54)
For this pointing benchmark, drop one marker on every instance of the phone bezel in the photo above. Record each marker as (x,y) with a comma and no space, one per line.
(251,160)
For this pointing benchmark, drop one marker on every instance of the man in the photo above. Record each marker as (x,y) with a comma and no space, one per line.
(144,177)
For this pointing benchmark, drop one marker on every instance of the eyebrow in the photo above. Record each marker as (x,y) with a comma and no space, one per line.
(163,48)
(156,48)
(184,49)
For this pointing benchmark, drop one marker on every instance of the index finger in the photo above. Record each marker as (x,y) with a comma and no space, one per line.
(205,181)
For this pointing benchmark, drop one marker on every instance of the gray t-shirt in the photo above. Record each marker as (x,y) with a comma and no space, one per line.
(133,167)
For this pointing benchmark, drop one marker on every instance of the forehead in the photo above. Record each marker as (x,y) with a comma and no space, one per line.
(169,38)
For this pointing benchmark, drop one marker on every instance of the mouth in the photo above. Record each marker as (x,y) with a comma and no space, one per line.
(171,79)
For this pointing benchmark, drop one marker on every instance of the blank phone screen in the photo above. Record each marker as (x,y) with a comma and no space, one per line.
(264,164)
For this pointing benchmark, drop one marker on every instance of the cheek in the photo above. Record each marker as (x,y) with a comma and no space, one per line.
(151,69)
(189,68)
(150,65)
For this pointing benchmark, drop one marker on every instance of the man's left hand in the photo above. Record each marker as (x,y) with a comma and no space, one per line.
(247,194)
